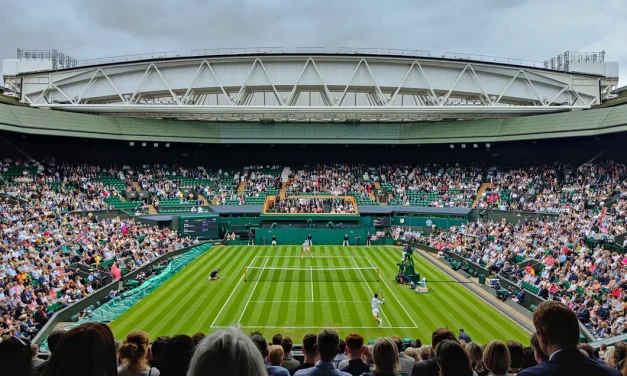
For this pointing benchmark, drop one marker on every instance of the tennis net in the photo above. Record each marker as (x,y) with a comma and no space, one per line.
(281,274)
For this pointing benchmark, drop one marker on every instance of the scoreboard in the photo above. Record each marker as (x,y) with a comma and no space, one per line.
(203,227)
(381,222)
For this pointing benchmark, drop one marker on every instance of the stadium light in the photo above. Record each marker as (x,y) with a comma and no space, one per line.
(452,146)
(463,146)
(167,145)
(475,146)
(143,144)
(131,143)
(155,144)
(487,145)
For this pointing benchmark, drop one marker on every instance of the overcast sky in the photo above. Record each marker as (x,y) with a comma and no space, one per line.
(529,29)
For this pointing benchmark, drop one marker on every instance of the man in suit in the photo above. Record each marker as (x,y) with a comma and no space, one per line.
(406,362)
(558,335)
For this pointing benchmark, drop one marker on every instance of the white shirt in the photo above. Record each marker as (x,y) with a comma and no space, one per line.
(376,303)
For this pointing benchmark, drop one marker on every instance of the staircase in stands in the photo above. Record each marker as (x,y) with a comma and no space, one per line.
(285,178)
(480,193)
(377,187)
(241,188)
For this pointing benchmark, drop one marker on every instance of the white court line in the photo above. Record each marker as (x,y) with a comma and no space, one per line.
(229,298)
(251,294)
(319,327)
(394,295)
(312,282)
(371,292)
(309,301)
(314,257)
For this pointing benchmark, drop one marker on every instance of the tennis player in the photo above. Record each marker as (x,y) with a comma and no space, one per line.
(375,308)
(215,275)
(306,249)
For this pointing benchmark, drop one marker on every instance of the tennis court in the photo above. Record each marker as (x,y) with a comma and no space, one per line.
(274,290)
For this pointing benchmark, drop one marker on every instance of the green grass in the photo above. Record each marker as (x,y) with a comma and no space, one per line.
(190,303)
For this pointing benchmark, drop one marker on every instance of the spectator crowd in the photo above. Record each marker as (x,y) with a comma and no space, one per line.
(90,349)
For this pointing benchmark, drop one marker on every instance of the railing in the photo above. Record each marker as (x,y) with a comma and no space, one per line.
(530,298)
(271,200)
(312,50)
(65,314)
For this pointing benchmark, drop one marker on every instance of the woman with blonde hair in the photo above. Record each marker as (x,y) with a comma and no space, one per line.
(385,356)
(134,353)
(412,353)
(475,353)
(497,359)
(228,352)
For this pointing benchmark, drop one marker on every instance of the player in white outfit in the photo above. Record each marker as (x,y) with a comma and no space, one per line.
(306,249)
(375,308)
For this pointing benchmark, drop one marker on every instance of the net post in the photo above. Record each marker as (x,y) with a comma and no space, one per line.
(378,276)
(245,273)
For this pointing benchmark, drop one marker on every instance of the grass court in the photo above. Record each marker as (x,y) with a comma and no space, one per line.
(283,293)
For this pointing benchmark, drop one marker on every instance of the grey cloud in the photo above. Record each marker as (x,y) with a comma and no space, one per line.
(531,29)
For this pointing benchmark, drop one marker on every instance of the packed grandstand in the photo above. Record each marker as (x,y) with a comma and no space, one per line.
(92,226)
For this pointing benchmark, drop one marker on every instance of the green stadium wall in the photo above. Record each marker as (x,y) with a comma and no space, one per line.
(594,122)
(319,236)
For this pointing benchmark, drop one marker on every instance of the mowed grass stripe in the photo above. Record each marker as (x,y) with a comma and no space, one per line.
(483,317)
(181,303)
(453,308)
(447,304)
(462,303)
(206,300)
(186,299)
(141,312)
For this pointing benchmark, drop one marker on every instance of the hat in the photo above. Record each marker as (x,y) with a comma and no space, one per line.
(461,330)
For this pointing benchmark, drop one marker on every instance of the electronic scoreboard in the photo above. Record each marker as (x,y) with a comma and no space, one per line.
(203,227)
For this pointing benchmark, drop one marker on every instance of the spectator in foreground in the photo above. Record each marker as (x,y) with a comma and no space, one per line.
(276,339)
(425,353)
(310,352)
(516,356)
(355,364)
(412,353)
(275,355)
(157,348)
(385,355)
(262,346)
(288,359)
(326,344)
(429,367)
(36,361)
(475,354)
(453,359)
(53,339)
(177,355)
(558,335)
(341,353)
(16,357)
(133,355)
(529,358)
(227,352)
(406,362)
(198,337)
(497,359)
(539,355)
(88,349)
